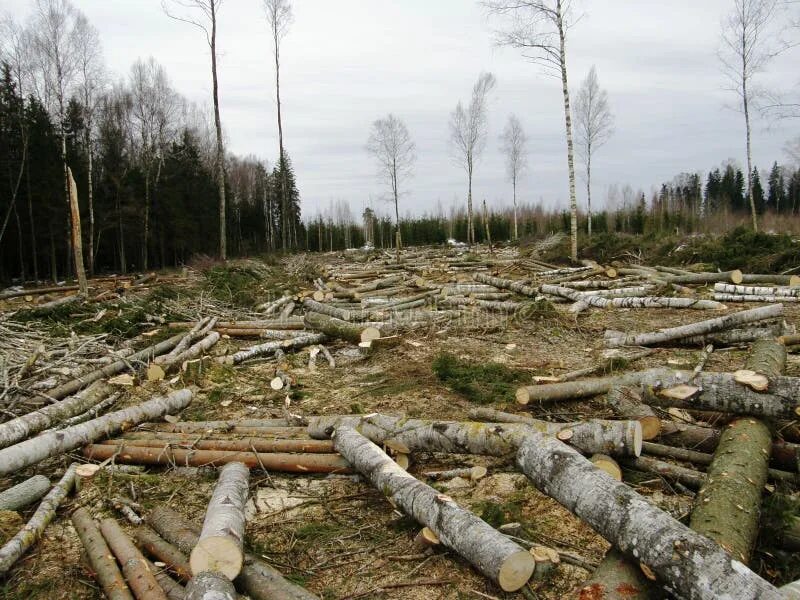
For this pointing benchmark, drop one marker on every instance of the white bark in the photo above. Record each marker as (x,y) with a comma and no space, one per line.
(690,565)
(192,352)
(210,586)
(220,547)
(754,298)
(630,302)
(507,284)
(699,328)
(13,550)
(727,288)
(272,346)
(36,449)
(202,327)
(488,550)
(25,493)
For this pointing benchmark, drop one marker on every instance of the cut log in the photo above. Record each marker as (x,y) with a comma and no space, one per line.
(672,334)
(734,276)
(630,302)
(472,473)
(733,337)
(276,461)
(255,444)
(13,549)
(339,329)
(720,297)
(507,284)
(626,402)
(159,548)
(616,578)
(570,390)
(618,438)
(104,568)
(426,539)
(23,427)
(269,308)
(141,579)
(209,426)
(608,465)
(271,347)
(220,547)
(191,353)
(726,288)
(689,564)
(209,585)
(488,550)
(25,493)
(767,357)
(257,579)
(172,588)
(312,305)
(790,280)
(688,477)
(195,332)
(33,450)
(38,291)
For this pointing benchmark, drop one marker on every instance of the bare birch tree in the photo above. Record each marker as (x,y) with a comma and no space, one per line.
(594,125)
(746,50)
(91,79)
(207,23)
(468,137)
(539,29)
(514,146)
(394,151)
(279,18)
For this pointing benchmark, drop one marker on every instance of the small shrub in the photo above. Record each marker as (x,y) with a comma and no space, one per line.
(481,383)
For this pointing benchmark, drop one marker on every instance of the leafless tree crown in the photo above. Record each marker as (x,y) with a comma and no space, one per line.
(468,125)
(514,143)
(394,151)
(594,122)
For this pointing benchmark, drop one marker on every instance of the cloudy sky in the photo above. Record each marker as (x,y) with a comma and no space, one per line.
(348,62)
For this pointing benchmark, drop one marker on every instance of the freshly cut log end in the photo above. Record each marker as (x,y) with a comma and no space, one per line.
(210,586)
(736,276)
(608,465)
(523,397)
(370,333)
(477,472)
(516,571)
(426,539)
(276,383)
(221,554)
(755,381)
(616,578)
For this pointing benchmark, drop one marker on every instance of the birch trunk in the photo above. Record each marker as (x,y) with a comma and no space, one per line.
(101,560)
(210,586)
(257,579)
(627,403)
(13,549)
(140,578)
(619,438)
(507,284)
(36,449)
(630,302)
(695,329)
(18,429)
(688,564)
(195,351)
(753,298)
(573,198)
(221,543)
(25,493)
(271,347)
(488,550)
(727,288)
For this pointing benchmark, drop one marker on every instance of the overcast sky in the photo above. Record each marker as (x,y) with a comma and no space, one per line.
(348,62)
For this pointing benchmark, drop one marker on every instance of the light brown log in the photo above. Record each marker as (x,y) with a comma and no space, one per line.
(790,280)
(221,543)
(259,580)
(159,548)
(569,390)
(104,568)
(172,588)
(492,553)
(14,548)
(31,451)
(688,477)
(288,463)
(687,563)
(141,579)
(25,493)
(37,291)
(255,444)
(699,328)
(626,402)
(195,426)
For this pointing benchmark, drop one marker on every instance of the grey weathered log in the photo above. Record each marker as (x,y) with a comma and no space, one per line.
(194,351)
(619,438)
(488,550)
(626,402)
(195,332)
(689,565)
(720,297)
(271,347)
(689,477)
(25,493)
(569,390)
(672,334)
(335,328)
(14,548)
(209,585)
(257,579)
(734,276)
(507,284)
(35,449)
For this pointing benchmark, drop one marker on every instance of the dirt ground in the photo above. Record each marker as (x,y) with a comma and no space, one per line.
(341,538)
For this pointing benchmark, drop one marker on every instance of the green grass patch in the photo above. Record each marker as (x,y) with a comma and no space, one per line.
(482,383)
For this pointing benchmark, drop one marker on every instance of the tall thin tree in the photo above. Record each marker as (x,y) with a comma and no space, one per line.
(279,18)
(468,137)
(394,151)
(539,29)
(514,142)
(207,23)
(594,125)
(747,48)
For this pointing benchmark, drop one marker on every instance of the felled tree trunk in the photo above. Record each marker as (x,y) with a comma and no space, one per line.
(339,329)
(721,297)
(210,586)
(620,438)
(671,334)
(194,351)
(740,290)
(488,550)
(507,284)
(257,579)
(104,568)
(13,549)
(33,450)
(312,305)
(253,444)
(616,578)
(140,578)
(200,329)
(157,547)
(23,427)
(220,547)
(734,276)
(270,347)
(172,588)
(688,477)
(569,390)
(689,564)
(767,357)
(25,493)
(630,302)
(627,403)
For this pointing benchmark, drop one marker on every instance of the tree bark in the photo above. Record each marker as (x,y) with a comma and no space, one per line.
(753,298)
(223,243)
(488,550)
(25,493)
(271,347)
(619,438)
(734,276)
(172,589)
(141,579)
(158,548)
(257,579)
(570,390)
(221,543)
(13,549)
(339,329)
(689,477)
(209,585)
(101,560)
(627,402)
(36,449)
(200,329)
(690,565)
(741,290)
(695,329)
(253,444)
(195,351)
(77,244)
(630,302)
(507,284)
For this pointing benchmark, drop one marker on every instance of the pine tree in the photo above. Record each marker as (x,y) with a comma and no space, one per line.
(758,192)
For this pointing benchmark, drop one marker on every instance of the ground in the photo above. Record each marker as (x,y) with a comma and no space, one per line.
(338,537)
